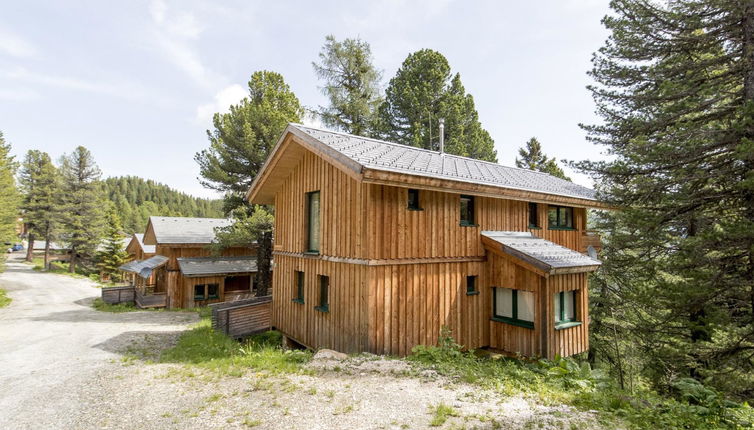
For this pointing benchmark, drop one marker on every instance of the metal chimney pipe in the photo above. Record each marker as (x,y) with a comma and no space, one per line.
(442,135)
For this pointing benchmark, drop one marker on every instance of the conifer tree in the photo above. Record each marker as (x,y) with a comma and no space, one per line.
(674,85)
(243,137)
(40,188)
(352,85)
(422,92)
(533,158)
(82,205)
(113,254)
(9,197)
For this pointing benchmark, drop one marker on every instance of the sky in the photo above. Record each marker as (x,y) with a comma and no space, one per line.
(137,82)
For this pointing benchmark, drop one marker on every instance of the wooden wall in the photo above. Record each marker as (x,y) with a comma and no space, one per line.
(344,327)
(410,303)
(572,340)
(173,252)
(342,210)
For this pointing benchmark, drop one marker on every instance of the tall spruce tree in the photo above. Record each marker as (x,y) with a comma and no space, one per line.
(82,207)
(424,91)
(352,85)
(113,253)
(9,198)
(40,187)
(243,137)
(675,90)
(533,158)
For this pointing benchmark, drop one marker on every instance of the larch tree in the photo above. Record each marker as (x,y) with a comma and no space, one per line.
(533,158)
(243,137)
(424,91)
(40,188)
(9,197)
(82,205)
(351,84)
(674,85)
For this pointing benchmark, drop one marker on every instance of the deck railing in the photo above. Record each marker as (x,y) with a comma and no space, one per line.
(590,238)
(115,295)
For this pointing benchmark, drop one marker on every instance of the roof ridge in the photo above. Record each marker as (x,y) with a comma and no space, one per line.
(447,154)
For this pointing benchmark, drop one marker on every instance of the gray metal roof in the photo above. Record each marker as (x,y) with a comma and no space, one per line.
(209,266)
(543,254)
(380,155)
(39,245)
(186,230)
(144,268)
(148,249)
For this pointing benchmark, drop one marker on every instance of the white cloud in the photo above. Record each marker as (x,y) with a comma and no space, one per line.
(19,94)
(224,98)
(15,46)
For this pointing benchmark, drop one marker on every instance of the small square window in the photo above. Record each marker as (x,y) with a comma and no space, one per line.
(199,292)
(413,200)
(471,288)
(213,291)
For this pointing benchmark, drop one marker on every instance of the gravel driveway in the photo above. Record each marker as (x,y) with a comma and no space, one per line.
(53,344)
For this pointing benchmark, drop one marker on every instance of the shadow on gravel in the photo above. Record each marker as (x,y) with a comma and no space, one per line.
(144,345)
(87,314)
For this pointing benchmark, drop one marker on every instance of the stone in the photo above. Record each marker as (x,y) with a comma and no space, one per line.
(329,354)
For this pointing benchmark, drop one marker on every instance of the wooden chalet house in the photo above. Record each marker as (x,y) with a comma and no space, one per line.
(380,245)
(182,273)
(137,252)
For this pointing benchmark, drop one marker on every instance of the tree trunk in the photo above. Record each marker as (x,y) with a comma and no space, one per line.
(30,249)
(72,264)
(47,254)
(264,264)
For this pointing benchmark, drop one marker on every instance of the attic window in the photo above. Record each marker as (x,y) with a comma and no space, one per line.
(413,200)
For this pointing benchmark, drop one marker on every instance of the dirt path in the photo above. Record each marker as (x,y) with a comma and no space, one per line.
(53,344)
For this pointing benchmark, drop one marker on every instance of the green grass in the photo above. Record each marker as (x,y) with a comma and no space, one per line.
(566,381)
(441,413)
(4,299)
(101,306)
(205,348)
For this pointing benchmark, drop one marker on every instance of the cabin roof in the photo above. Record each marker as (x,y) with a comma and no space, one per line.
(211,266)
(359,154)
(138,238)
(39,245)
(182,230)
(547,256)
(144,268)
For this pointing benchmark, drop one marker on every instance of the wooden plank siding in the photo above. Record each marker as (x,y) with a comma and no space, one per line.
(572,340)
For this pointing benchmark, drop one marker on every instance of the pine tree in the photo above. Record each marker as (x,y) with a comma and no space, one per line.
(40,188)
(242,138)
(422,92)
(82,205)
(352,85)
(113,254)
(533,158)
(675,89)
(9,197)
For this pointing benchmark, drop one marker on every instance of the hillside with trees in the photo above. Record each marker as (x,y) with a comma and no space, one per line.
(136,199)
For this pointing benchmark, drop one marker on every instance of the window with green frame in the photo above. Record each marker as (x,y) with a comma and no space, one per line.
(467,210)
(515,307)
(564,304)
(471,288)
(533,215)
(560,217)
(312,222)
(324,299)
(298,292)
(213,291)
(413,200)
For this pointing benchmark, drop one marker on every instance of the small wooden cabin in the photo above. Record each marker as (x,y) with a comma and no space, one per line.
(379,245)
(185,273)
(138,251)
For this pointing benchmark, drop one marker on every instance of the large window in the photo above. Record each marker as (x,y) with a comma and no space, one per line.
(467,211)
(298,287)
(206,291)
(513,306)
(533,215)
(313,227)
(565,308)
(560,217)
(413,200)
(324,293)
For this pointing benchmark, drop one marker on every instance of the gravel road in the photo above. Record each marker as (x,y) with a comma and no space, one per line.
(53,344)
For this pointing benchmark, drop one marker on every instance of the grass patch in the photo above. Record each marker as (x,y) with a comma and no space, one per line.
(101,306)
(441,413)
(203,347)
(4,299)
(566,381)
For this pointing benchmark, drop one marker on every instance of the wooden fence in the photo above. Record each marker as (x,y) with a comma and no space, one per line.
(115,295)
(243,317)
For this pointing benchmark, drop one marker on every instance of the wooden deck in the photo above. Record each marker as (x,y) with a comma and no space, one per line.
(155,300)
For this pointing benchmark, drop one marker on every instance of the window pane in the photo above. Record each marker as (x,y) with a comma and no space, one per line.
(464,209)
(470,284)
(568,220)
(552,216)
(413,199)
(504,302)
(533,215)
(314,221)
(324,284)
(556,306)
(525,305)
(212,290)
(199,292)
(569,311)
